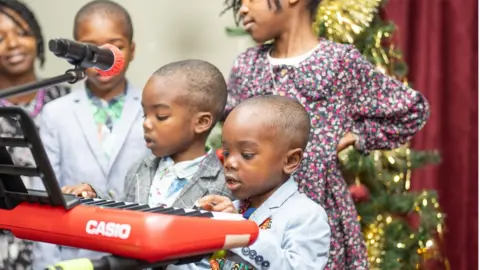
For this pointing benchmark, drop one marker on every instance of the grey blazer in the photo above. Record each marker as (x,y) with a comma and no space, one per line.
(208,180)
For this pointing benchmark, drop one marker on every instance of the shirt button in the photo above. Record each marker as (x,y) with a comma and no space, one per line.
(265,264)
(245,251)
(252,255)
(259,259)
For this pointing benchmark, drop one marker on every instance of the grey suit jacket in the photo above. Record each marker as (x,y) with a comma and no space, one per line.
(296,235)
(69,135)
(208,180)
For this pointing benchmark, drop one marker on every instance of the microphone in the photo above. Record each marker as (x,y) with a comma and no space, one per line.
(107,59)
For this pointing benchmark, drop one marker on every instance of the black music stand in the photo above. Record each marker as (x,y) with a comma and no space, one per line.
(12,189)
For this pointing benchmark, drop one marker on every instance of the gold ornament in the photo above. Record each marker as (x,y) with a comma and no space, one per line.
(374,240)
(345,19)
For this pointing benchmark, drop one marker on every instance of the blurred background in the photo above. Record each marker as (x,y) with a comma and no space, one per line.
(165,31)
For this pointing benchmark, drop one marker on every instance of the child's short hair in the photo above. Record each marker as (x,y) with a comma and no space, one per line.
(108,8)
(287,118)
(204,83)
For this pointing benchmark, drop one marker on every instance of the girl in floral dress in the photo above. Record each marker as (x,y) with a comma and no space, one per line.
(21,42)
(349,102)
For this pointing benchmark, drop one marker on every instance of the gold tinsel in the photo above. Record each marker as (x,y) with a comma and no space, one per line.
(345,19)
(375,240)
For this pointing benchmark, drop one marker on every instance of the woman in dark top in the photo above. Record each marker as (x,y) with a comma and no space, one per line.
(21,43)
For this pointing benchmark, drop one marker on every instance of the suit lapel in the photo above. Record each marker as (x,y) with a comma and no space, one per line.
(270,206)
(200,183)
(121,129)
(84,116)
(144,179)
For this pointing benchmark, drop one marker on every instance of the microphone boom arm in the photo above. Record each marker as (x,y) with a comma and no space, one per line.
(71,76)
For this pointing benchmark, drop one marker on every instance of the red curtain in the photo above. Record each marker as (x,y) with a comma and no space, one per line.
(440,41)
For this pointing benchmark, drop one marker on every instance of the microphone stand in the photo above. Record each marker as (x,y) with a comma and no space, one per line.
(71,76)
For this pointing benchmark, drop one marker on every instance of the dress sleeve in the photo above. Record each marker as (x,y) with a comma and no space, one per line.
(386,113)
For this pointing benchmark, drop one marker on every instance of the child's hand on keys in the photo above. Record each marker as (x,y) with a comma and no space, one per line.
(81,190)
(217,203)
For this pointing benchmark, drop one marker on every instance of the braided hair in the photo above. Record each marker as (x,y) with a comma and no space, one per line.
(35,30)
(235,5)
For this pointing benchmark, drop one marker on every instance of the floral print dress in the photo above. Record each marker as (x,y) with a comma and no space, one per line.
(16,254)
(343,93)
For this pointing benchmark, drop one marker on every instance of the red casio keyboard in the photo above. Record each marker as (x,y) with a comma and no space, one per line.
(137,236)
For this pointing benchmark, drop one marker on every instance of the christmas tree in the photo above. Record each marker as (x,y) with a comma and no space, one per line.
(402,228)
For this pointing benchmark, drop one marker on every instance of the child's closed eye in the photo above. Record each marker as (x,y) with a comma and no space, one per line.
(248,156)
(162,117)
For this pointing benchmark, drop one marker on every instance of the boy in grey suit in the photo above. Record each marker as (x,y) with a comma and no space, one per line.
(181,102)
(263,142)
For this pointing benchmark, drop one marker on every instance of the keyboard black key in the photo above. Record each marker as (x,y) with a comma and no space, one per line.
(137,207)
(177,212)
(84,201)
(113,204)
(100,203)
(159,209)
(127,205)
(95,202)
(198,214)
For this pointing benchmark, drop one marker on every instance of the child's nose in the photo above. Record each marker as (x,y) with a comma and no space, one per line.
(243,9)
(230,163)
(147,125)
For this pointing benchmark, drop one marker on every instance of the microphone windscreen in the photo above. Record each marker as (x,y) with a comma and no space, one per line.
(118,64)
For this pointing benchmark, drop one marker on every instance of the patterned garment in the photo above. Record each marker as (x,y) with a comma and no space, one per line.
(171,178)
(16,254)
(342,92)
(105,115)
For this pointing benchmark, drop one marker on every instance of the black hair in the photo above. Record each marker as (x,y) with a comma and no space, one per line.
(205,85)
(107,8)
(235,6)
(35,30)
(287,118)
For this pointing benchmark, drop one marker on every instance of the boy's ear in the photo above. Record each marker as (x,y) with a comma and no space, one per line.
(132,50)
(203,122)
(292,161)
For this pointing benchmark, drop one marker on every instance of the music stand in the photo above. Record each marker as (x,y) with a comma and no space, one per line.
(12,189)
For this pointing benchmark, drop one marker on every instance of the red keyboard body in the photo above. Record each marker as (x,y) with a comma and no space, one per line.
(143,235)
